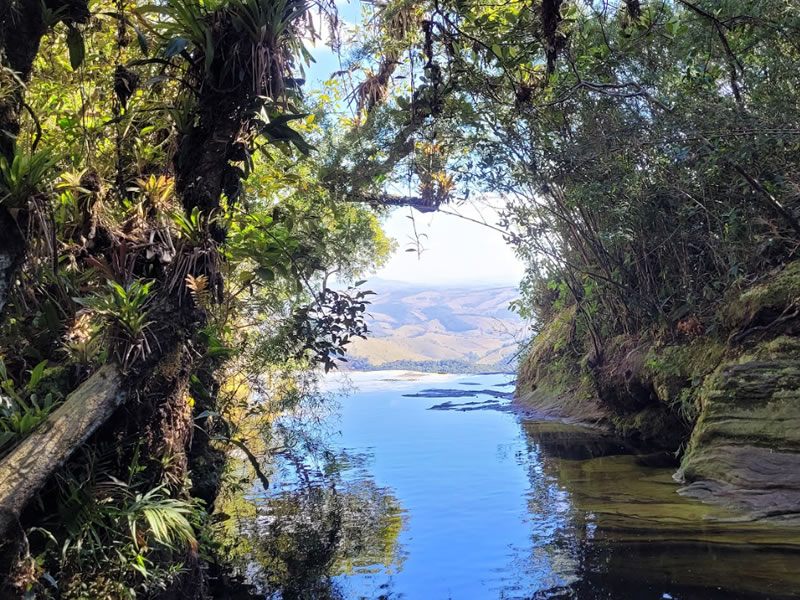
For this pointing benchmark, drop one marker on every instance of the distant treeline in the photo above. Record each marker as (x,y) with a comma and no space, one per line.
(430,366)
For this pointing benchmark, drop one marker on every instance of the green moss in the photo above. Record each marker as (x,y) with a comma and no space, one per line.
(548,357)
(698,358)
(783,347)
(56,381)
(679,372)
(555,337)
(771,296)
(692,381)
(749,402)
(653,425)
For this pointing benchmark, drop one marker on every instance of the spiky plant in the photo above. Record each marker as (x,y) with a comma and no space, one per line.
(198,288)
(124,309)
(23,175)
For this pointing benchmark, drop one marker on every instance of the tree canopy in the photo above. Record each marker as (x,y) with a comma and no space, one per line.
(646,151)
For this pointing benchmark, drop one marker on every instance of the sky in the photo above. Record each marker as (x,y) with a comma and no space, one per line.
(454,250)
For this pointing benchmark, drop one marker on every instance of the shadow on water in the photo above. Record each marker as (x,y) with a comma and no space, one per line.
(587,517)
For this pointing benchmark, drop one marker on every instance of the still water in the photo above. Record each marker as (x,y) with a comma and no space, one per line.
(430,496)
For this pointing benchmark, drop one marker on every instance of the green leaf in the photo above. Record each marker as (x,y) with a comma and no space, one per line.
(209,51)
(175,46)
(265,274)
(36,374)
(77,49)
(207,413)
(283,119)
(277,131)
(143,45)
(6,437)
(220,351)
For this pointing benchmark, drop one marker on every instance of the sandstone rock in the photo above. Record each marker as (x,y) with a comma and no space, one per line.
(745,448)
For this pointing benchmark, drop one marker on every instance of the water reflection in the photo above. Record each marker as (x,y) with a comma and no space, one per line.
(627,533)
(318,526)
(434,504)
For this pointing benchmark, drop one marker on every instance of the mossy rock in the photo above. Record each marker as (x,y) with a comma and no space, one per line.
(696,359)
(654,425)
(764,302)
(549,361)
(548,347)
(781,348)
(745,447)
(678,372)
(569,403)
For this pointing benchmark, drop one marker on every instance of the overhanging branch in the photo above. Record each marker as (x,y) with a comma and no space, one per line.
(382,199)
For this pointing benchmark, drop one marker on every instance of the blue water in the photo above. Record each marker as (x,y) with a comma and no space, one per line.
(461,478)
(495,505)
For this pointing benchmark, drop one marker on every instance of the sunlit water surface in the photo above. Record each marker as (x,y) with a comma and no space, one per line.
(472,500)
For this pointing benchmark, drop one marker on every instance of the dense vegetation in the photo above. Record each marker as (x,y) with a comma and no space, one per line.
(172,208)
(646,154)
(167,242)
(647,151)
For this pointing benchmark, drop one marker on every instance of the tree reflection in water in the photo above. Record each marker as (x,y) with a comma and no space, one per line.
(502,507)
(321,524)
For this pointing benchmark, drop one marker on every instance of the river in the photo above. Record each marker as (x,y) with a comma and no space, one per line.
(425,493)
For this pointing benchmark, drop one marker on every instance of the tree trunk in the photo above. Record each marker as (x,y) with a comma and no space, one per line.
(12,251)
(32,463)
(21,29)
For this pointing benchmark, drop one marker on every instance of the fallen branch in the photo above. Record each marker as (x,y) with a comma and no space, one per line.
(33,462)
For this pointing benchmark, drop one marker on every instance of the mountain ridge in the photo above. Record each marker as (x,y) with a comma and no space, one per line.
(466,328)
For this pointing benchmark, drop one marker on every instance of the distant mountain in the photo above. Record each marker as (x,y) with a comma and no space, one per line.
(438,328)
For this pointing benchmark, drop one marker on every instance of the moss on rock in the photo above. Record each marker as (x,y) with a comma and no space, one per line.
(550,380)
(732,395)
(765,301)
(745,446)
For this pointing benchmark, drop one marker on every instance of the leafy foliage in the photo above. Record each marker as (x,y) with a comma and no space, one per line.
(22,408)
(124,310)
(645,152)
(327,326)
(115,531)
(173,220)
(24,175)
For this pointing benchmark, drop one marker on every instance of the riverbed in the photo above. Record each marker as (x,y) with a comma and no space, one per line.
(435,487)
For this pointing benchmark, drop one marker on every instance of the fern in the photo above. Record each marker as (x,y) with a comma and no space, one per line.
(167,518)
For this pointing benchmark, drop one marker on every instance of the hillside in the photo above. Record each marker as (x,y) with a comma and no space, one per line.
(438,328)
